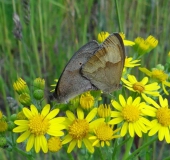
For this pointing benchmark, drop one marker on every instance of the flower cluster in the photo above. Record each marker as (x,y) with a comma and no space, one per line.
(87,122)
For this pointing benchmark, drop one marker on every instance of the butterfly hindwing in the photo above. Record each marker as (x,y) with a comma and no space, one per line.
(104,68)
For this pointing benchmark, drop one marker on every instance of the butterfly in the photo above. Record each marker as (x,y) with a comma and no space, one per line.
(93,67)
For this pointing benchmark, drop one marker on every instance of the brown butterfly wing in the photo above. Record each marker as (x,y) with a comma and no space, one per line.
(71,82)
(104,68)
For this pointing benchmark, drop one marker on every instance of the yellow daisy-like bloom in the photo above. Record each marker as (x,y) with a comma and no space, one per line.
(153,42)
(144,46)
(103,135)
(141,87)
(87,100)
(104,111)
(161,122)
(79,129)
(54,144)
(54,85)
(20,86)
(103,35)
(37,126)
(130,113)
(130,63)
(3,125)
(158,75)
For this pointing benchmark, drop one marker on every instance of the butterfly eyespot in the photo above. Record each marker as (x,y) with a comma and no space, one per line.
(80,63)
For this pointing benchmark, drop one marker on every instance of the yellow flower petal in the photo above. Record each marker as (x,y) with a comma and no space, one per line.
(70,115)
(37,144)
(23,137)
(128,43)
(146,71)
(43,144)
(124,129)
(21,122)
(67,139)
(20,129)
(131,130)
(52,114)
(88,145)
(91,115)
(27,113)
(45,110)
(71,146)
(30,142)
(116,120)
(34,110)
(144,80)
(80,113)
(122,100)
(116,105)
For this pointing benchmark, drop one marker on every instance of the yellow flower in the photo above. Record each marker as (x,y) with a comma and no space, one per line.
(145,46)
(54,144)
(130,114)
(79,129)
(3,125)
(54,85)
(153,42)
(141,87)
(159,76)
(104,111)
(86,100)
(37,126)
(161,122)
(130,63)
(103,135)
(20,86)
(103,35)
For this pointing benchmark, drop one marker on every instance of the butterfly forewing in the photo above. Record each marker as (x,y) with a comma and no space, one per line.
(104,68)
(71,82)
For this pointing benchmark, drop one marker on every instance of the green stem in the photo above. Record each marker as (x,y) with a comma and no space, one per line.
(142,147)
(34,42)
(41,33)
(118,15)
(100,154)
(128,147)
(117,147)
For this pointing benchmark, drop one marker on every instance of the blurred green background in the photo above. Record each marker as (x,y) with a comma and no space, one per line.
(52,30)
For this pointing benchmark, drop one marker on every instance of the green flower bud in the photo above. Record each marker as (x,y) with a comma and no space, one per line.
(39,83)
(3,142)
(25,99)
(13,117)
(38,94)
(20,86)
(11,125)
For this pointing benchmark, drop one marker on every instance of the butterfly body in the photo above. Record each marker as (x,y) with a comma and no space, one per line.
(93,67)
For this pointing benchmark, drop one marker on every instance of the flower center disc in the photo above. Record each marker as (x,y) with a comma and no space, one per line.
(79,129)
